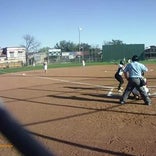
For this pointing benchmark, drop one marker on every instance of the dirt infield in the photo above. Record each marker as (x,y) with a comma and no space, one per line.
(69,112)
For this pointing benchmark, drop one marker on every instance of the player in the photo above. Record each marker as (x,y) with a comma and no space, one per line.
(136,93)
(133,73)
(83,63)
(118,76)
(45,66)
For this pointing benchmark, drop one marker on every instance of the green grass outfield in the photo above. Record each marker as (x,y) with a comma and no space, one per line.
(61,65)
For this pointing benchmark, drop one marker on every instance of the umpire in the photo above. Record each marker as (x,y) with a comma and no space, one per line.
(133,73)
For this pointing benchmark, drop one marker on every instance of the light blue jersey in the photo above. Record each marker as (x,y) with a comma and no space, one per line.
(135,69)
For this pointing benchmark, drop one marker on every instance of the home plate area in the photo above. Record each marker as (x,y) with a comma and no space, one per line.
(114,92)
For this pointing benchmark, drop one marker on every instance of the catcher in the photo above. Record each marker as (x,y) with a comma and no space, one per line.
(136,93)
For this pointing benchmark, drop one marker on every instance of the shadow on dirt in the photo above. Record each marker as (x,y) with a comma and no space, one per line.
(82,99)
(88,88)
(96,149)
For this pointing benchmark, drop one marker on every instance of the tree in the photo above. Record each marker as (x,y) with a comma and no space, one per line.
(31,45)
(113,42)
(85,47)
(44,50)
(66,46)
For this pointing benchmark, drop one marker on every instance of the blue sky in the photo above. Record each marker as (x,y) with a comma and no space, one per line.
(51,21)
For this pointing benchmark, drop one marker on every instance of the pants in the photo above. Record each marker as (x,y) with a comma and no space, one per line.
(132,83)
(120,79)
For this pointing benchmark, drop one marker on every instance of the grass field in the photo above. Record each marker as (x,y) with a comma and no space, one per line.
(60,65)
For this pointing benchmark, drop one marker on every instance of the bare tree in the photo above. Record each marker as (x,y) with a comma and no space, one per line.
(31,45)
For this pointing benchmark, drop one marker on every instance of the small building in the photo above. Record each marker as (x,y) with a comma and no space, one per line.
(37,58)
(12,57)
(15,54)
(150,53)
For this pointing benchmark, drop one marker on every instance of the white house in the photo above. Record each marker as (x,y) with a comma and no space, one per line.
(15,54)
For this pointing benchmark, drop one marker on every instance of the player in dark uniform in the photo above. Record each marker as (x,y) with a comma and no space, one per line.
(118,76)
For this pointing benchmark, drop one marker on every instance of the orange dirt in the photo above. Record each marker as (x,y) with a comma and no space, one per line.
(69,112)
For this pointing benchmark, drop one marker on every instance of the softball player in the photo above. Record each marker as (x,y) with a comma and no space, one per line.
(118,76)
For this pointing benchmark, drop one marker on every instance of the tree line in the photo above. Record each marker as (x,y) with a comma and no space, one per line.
(32,45)
(94,52)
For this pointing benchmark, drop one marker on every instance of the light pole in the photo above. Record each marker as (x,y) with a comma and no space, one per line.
(79,38)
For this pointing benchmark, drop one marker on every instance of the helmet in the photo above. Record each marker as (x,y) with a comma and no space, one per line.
(135,58)
(122,62)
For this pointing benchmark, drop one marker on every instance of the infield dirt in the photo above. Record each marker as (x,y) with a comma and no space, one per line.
(69,112)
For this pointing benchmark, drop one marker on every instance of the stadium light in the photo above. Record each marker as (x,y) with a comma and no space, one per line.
(79,30)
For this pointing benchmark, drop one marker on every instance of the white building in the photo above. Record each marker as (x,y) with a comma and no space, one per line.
(15,54)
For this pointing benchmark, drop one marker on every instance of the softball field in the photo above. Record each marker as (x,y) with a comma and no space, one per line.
(76,112)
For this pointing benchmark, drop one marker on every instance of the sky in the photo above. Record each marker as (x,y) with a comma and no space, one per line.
(101,21)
